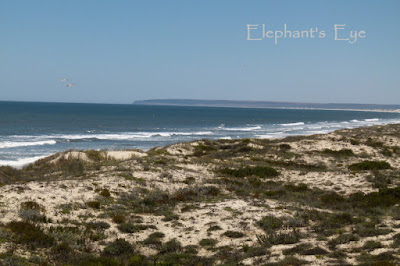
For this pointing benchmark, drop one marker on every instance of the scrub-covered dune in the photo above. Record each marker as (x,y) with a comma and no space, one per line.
(329,199)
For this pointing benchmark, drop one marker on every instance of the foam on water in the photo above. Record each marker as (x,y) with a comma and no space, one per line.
(11,144)
(21,162)
(293,124)
(250,128)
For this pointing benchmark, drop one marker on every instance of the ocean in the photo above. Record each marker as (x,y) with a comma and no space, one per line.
(30,131)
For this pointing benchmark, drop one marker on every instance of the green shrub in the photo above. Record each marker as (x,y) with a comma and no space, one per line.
(154,239)
(290,260)
(71,167)
(31,205)
(97,261)
(105,193)
(370,165)
(8,173)
(260,171)
(279,238)
(297,249)
(94,155)
(284,147)
(214,228)
(384,259)
(233,234)
(296,188)
(270,223)
(203,149)
(120,247)
(118,218)
(368,231)
(208,242)
(95,204)
(371,245)
(384,198)
(343,239)
(133,228)
(32,215)
(97,225)
(30,234)
(339,153)
(171,246)
(314,251)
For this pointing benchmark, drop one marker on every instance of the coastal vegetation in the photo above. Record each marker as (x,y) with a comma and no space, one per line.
(323,199)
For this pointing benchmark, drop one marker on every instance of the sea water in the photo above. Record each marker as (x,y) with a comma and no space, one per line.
(29,131)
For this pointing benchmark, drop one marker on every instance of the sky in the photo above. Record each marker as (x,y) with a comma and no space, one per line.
(120,51)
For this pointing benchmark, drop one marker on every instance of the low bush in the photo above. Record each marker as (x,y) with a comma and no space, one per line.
(339,153)
(94,155)
(233,234)
(118,218)
(95,204)
(30,234)
(171,246)
(105,193)
(343,239)
(120,247)
(154,239)
(260,171)
(371,245)
(279,238)
(97,225)
(133,228)
(208,242)
(370,165)
(270,223)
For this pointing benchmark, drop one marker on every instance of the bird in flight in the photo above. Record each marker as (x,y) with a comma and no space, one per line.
(69,85)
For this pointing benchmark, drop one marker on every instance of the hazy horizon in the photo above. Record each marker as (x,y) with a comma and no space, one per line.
(166,99)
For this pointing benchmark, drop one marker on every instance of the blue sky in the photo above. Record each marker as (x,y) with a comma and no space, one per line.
(121,51)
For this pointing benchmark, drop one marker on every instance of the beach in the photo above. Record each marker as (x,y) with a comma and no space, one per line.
(321,199)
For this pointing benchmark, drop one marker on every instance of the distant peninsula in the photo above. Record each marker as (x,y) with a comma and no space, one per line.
(271,104)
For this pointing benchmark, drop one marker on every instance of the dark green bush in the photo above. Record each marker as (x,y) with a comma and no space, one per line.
(284,147)
(94,155)
(371,245)
(171,246)
(279,238)
(118,218)
(260,171)
(71,167)
(370,165)
(95,204)
(30,234)
(233,234)
(208,242)
(133,228)
(296,188)
(120,247)
(105,193)
(214,228)
(97,225)
(31,205)
(154,239)
(270,223)
(297,249)
(343,239)
(339,153)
